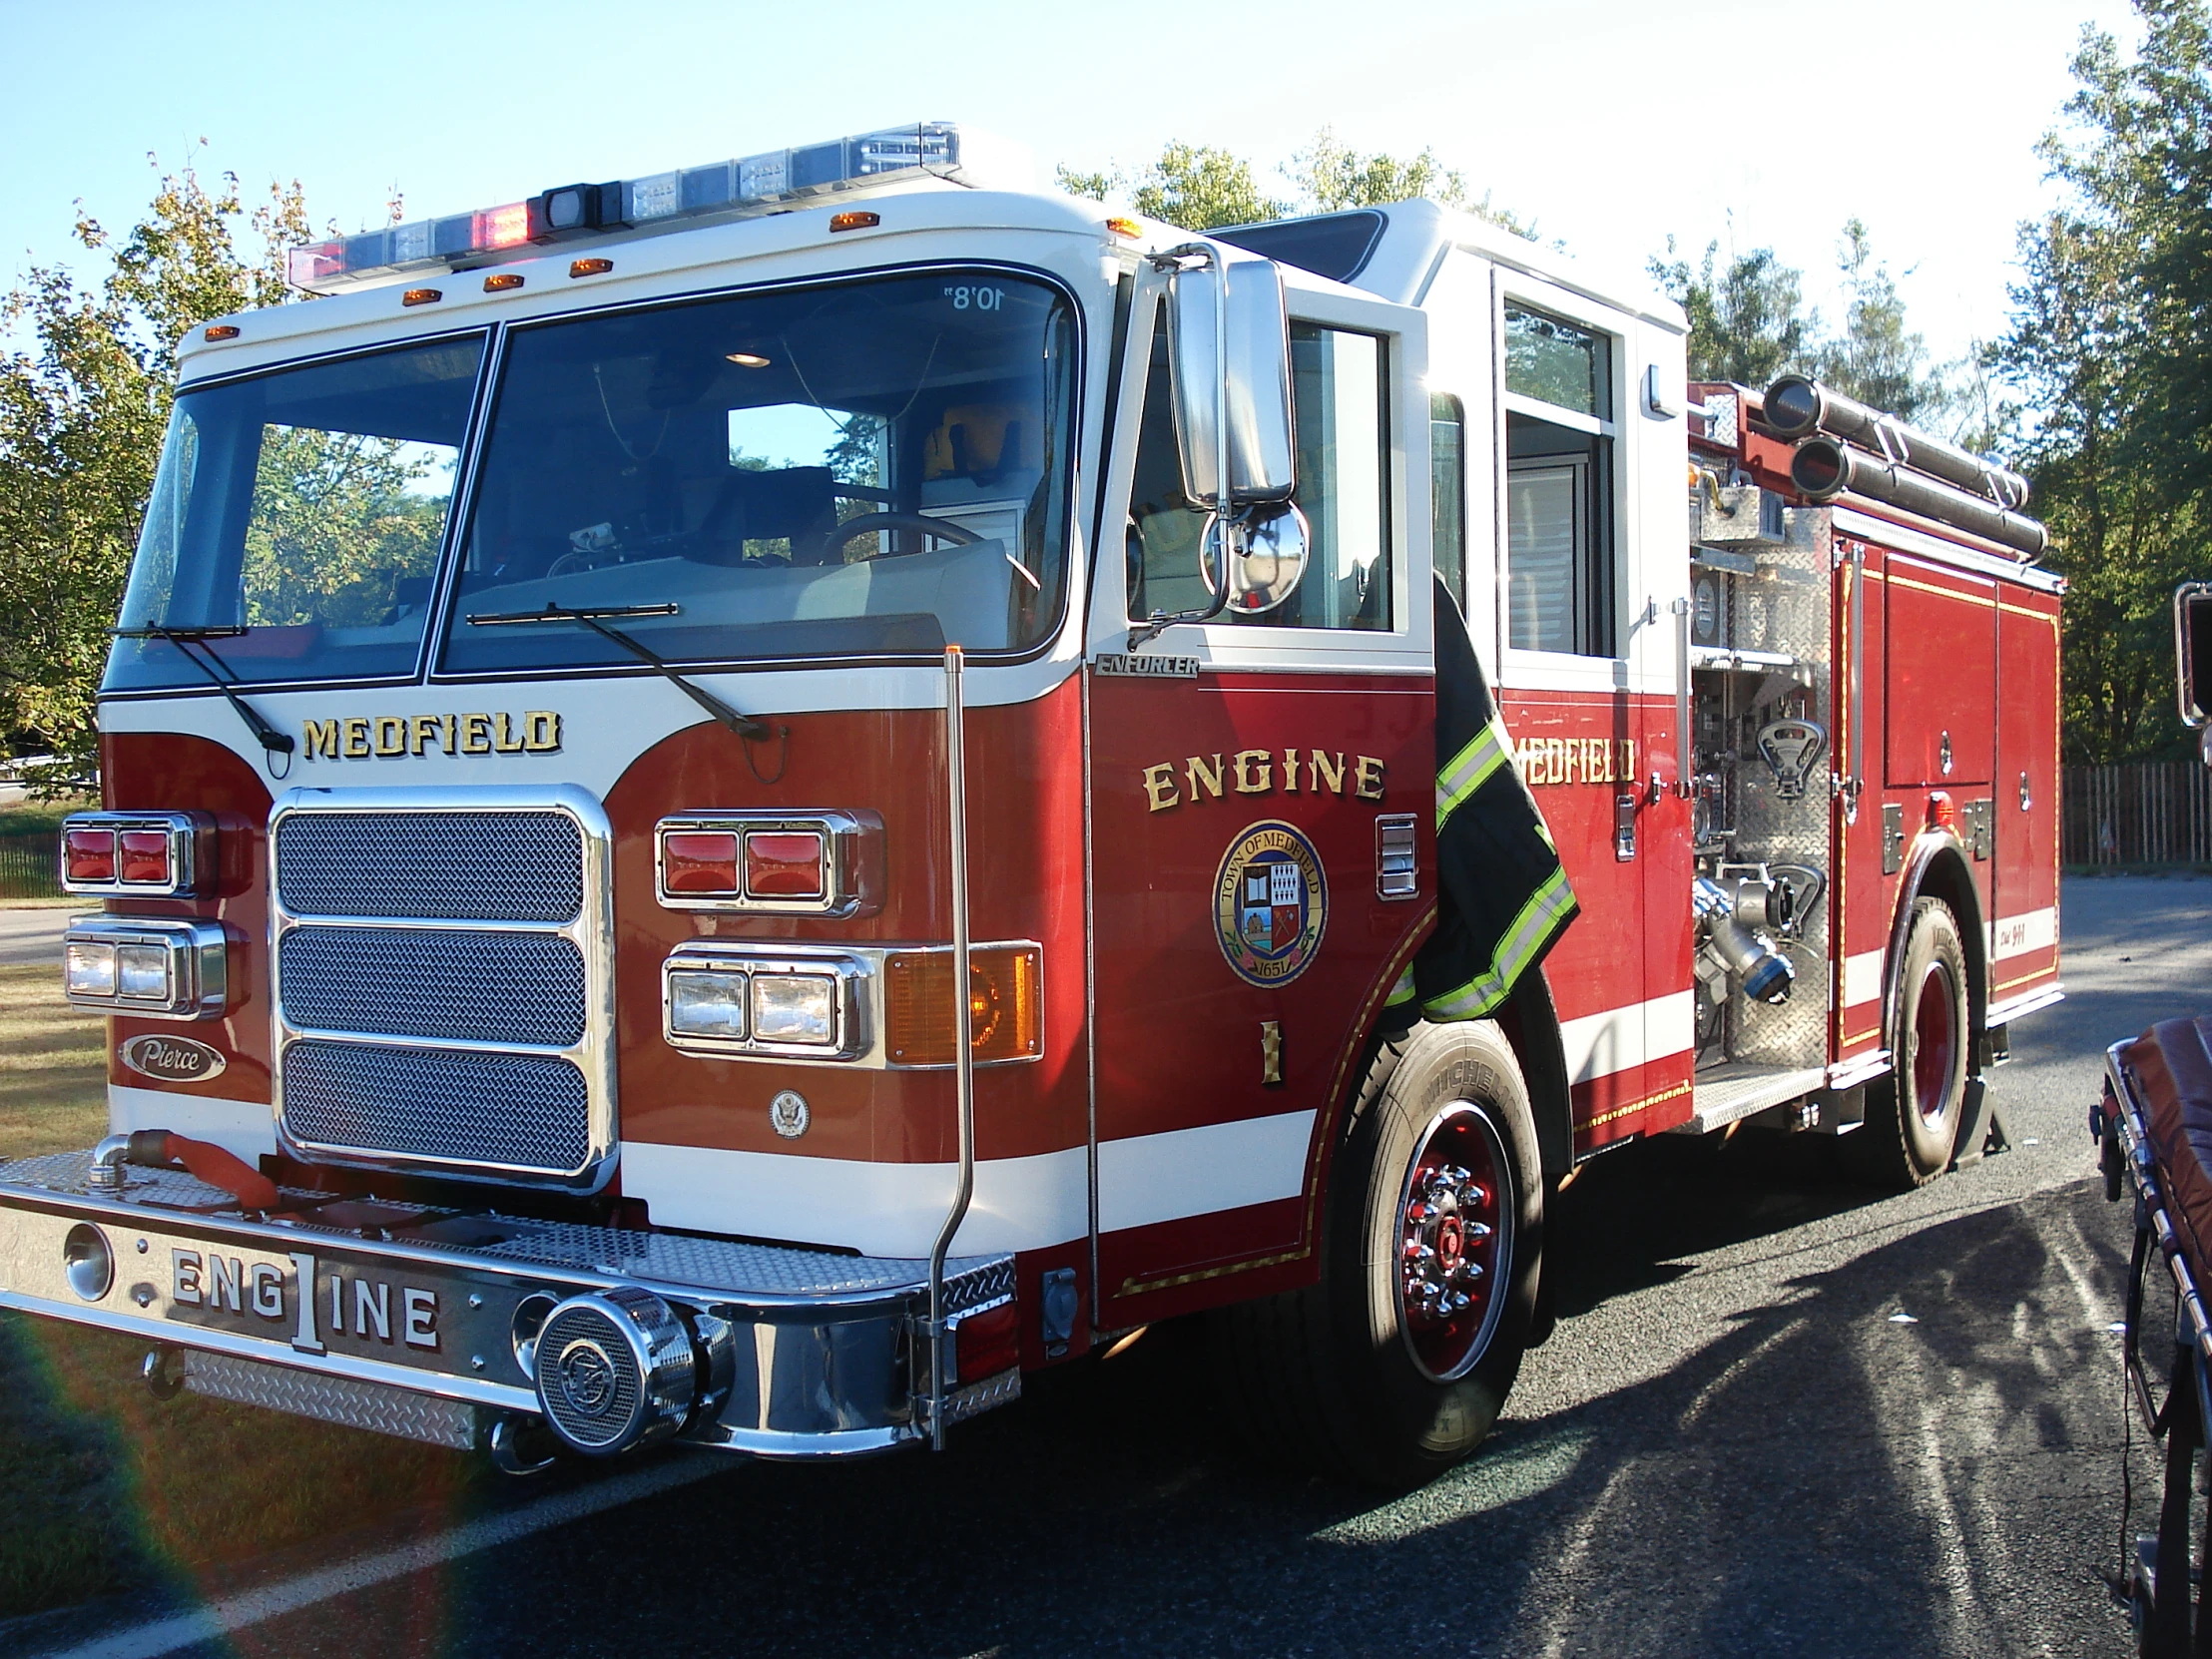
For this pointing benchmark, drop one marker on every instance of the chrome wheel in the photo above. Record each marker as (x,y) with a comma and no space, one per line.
(1455,1236)
(1935,1043)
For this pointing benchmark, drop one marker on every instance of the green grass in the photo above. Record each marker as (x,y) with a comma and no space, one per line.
(26,816)
(104,1488)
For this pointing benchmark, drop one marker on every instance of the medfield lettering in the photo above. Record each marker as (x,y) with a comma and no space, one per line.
(1201,778)
(390,736)
(1576,760)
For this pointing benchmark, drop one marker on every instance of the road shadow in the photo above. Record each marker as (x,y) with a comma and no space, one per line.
(1816,1478)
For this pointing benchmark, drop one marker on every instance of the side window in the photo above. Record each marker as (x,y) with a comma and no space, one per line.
(1339,386)
(1448,493)
(1559,532)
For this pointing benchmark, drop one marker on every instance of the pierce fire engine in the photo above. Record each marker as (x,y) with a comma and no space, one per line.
(739,806)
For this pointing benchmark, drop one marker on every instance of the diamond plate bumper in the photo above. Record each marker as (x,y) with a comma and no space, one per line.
(360,1299)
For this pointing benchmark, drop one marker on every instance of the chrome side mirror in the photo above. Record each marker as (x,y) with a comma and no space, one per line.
(2193,656)
(1267,560)
(1229,342)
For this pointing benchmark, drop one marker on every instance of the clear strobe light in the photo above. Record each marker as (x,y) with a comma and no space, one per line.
(743,186)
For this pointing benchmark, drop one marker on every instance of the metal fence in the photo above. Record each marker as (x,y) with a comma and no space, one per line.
(29,861)
(2152,812)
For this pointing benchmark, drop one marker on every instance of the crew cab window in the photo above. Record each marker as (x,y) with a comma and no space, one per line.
(1560,586)
(1339,394)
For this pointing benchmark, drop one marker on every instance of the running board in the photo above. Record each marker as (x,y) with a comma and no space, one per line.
(1733,1093)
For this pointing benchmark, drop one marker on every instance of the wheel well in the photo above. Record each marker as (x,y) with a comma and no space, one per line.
(1944,874)
(1531,1022)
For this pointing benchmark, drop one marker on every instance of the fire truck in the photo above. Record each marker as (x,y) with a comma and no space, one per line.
(740,805)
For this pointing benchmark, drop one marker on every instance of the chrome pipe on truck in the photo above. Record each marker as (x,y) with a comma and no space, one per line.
(963,1034)
(1824,467)
(1798,407)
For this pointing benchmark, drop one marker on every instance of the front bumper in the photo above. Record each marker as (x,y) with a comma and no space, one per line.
(419,1321)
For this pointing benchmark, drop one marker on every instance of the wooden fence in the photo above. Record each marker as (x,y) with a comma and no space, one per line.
(29,861)
(2153,812)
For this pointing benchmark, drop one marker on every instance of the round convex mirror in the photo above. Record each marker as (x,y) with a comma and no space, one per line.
(1267,561)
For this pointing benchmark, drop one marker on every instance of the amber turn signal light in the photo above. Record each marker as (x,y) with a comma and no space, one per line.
(1005,1010)
(855,220)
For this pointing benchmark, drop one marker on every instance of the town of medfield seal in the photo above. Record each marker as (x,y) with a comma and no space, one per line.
(1271,903)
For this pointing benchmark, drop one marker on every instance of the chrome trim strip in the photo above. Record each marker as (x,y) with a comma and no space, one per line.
(591,930)
(199,964)
(2027,1002)
(853,845)
(1863,1068)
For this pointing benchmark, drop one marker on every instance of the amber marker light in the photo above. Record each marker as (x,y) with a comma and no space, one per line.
(855,220)
(421,297)
(590,267)
(747,359)
(1128,229)
(501,281)
(1005,1012)
(220,330)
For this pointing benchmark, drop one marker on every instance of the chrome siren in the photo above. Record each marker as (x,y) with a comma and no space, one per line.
(615,1369)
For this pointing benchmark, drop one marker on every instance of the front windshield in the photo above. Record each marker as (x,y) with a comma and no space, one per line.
(869,469)
(297,518)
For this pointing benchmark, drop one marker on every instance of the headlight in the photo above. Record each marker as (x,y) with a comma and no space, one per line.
(142,970)
(90,970)
(705,1004)
(794,1008)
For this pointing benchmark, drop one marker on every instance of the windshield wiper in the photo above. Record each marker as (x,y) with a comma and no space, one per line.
(225,682)
(592,616)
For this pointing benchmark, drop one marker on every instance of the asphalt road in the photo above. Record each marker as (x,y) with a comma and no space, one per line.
(1782,1415)
(32,935)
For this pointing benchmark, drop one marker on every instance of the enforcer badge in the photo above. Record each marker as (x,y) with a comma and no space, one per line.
(1271,905)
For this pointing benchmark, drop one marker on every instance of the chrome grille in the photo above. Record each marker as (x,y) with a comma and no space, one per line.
(442,979)
(461,986)
(440,866)
(514,1111)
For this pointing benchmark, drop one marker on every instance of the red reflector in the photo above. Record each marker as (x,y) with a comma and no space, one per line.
(145,856)
(89,854)
(986,1344)
(507,227)
(699,862)
(786,865)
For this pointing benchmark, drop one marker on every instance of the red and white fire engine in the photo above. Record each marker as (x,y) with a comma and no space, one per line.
(741,804)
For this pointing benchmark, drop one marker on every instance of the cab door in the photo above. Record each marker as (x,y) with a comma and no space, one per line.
(1248,781)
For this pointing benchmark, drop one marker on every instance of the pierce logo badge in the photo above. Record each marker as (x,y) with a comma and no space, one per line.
(171,1059)
(1271,905)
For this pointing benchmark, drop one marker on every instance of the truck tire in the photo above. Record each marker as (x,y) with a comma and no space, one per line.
(1913,1120)
(1394,1365)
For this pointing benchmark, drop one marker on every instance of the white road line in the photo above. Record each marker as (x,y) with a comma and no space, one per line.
(202,1625)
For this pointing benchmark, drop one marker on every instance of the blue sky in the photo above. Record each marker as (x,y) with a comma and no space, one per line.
(1612,123)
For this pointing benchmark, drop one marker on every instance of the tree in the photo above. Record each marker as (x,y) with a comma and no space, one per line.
(81,421)
(1877,359)
(2109,341)
(1193,185)
(1204,188)
(1748,321)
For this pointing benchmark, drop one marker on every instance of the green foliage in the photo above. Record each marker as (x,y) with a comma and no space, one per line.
(2110,343)
(1748,324)
(336,528)
(1194,185)
(1204,188)
(81,420)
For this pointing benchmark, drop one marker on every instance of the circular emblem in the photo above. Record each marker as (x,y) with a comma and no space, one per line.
(172,1059)
(788,1114)
(587,1378)
(1270,904)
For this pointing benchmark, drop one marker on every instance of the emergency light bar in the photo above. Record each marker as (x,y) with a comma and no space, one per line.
(747,185)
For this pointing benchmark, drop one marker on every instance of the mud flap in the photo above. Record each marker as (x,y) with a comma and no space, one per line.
(1981,1127)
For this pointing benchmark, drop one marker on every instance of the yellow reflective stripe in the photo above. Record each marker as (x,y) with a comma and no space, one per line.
(1546,911)
(1468,770)
(1402,991)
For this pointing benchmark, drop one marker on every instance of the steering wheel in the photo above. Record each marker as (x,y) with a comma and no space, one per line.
(943,529)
